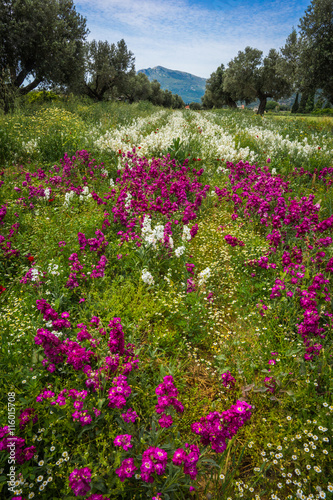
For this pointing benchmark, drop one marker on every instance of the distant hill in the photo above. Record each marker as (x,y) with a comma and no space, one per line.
(190,87)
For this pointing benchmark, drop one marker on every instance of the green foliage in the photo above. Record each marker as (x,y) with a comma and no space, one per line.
(215,96)
(188,335)
(108,68)
(42,96)
(40,39)
(294,108)
(317,55)
(309,104)
(157,95)
(249,77)
(195,106)
(177,102)
(303,101)
(272,106)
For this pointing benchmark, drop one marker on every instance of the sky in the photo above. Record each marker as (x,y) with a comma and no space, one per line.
(194,36)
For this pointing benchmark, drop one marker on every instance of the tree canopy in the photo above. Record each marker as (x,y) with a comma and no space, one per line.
(251,77)
(215,95)
(109,69)
(41,41)
(316,32)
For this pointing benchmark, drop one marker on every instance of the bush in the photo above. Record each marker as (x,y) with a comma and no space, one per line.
(323,112)
(272,106)
(42,96)
(195,106)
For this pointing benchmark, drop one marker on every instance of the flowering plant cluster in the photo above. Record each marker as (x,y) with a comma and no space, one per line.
(81,239)
(264,199)
(217,427)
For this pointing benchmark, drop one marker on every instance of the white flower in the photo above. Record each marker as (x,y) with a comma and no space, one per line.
(186,236)
(203,276)
(68,197)
(128,200)
(147,277)
(34,274)
(179,251)
(47,193)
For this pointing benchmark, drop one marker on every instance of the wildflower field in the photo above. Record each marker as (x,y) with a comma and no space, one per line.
(166,304)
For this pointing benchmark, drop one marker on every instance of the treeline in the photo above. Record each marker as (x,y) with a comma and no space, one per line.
(302,67)
(43,43)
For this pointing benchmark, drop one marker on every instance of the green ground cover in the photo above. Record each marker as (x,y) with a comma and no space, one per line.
(248,294)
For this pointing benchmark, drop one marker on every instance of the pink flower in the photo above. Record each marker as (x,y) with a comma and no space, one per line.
(123,440)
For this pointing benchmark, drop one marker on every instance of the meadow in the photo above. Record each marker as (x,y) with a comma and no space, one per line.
(166,304)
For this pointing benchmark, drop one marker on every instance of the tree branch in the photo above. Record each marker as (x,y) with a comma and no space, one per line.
(31,86)
(20,78)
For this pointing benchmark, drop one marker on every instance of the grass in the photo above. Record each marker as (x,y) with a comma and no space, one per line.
(188,335)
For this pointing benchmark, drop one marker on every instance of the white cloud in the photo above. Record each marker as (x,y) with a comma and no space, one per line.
(187,36)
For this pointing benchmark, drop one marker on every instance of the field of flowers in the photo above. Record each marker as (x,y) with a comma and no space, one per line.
(166,304)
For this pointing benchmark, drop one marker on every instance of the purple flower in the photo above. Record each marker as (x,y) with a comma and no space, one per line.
(216,428)
(119,392)
(79,481)
(126,469)
(116,341)
(189,459)
(27,415)
(165,421)
(154,460)
(129,416)
(123,440)
(228,380)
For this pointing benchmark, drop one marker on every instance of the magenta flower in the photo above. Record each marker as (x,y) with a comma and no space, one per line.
(165,421)
(154,460)
(126,469)
(79,481)
(129,416)
(27,415)
(228,380)
(123,440)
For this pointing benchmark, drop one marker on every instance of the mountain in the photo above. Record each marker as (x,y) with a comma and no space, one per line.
(190,87)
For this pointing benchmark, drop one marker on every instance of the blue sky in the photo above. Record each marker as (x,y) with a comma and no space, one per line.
(191,35)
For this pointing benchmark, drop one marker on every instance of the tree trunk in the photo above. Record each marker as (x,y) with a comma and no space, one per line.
(31,86)
(262,105)
(231,103)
